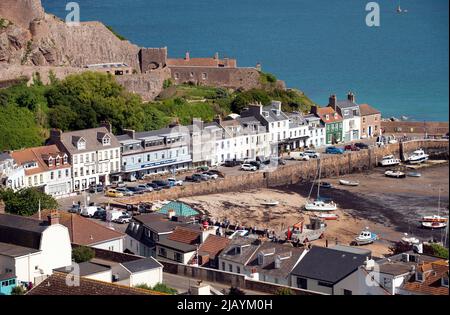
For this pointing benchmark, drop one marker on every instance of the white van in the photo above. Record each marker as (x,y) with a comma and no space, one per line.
(113,215)
(299,156)
(89,211)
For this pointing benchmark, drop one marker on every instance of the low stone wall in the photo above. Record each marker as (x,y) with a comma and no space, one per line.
(332,165)
(226,278)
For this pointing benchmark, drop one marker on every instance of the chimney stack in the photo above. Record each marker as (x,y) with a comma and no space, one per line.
(218,119)
(55,134)
(130,132)
(53,218)
(216,56)
(107,125)
(351,97)
(332,101)
(187,57)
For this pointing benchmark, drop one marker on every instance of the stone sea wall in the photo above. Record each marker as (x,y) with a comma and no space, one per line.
(332,165)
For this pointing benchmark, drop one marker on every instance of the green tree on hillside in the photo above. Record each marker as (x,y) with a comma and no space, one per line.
(26,201)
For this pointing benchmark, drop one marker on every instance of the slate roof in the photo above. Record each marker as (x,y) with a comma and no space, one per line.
(22,231)
(291,255)
(272,116)
(164,241)
(142,264)
(12,250)
(92,140)
(86,268)
(56,285)
(185,235)
(367,110)
(328,265)
(181,209)
(248,247)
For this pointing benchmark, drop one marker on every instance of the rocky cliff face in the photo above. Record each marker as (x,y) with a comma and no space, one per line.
(28,36)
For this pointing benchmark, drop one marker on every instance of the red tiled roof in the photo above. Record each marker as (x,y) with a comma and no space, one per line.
(434,272)
(37,155)
(83,231)
(186,236)
(367,110)
(213,245)
(56,285)
(333,116)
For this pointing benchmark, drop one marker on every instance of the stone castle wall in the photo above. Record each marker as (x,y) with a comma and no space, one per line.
(332,165)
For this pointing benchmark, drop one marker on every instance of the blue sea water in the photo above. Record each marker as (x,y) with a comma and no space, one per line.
(318,46)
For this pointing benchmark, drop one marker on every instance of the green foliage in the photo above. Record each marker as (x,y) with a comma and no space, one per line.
(159,287)
(267,78)
(284,291)
(167,83)
(115,33)
(82,254)
(27,52)
(3,23)
(19,290)
(26,201)
(436,250)
(245,98)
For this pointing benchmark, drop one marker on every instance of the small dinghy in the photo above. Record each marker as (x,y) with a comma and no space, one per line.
(434,225)
(320,205)
(414,174)
(410,240)
(434,218)
(395,174)
(348,182)
(328,216)
(270,203)
(365,237)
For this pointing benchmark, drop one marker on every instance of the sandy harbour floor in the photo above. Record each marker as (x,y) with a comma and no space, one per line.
(389,207)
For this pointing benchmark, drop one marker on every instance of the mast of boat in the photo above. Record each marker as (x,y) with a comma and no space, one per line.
(318,183)
(312,186)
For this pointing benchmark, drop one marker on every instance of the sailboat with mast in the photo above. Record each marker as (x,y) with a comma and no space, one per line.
(435,221)
(319,204)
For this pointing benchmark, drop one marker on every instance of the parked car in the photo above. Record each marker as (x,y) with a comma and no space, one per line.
(96,188)
(153,186)
(161,183)
(312,154)
(232,163)
(334,150)
(351,147)
(100,214)
(211,175)
(175,182)
(219,173)
(113,193)
(361,145)
(125,191)
(298,156)
(248,167)
(123,219)
(76,208)
(113,215)
(90,211)
(194,178)
(137,190)
(203,168)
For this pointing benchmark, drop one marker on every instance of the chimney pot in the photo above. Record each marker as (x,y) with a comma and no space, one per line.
(53,218)
(187,57)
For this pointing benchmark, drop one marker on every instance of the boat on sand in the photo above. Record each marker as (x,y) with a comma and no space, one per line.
(348,182)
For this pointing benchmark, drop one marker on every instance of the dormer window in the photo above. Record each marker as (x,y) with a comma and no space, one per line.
(81,144)
(50,161)
(65,159)
(444,281)
(335,115)
(58,160)
(106,140)
(419,276)
(327,117)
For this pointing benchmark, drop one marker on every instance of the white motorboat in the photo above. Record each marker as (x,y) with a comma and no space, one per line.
(417,157)
(414,174)
(410,240)
(366,237)
(434,218)
(389,160)
(395,174)
(434,225)
(328,216)
(319,205)
(270,203)
(348,182)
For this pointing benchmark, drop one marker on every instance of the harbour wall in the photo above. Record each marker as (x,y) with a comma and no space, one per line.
(332,165)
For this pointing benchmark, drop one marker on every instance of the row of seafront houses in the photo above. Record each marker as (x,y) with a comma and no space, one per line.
(38,253)
(72,161)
